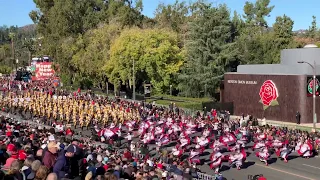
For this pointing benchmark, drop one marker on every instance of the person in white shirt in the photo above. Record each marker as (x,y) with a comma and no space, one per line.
(129,138)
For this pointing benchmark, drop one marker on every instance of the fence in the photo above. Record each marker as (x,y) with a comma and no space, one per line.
(203,176)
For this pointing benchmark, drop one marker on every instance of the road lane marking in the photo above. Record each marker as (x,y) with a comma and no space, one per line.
(286,172)
(311,166)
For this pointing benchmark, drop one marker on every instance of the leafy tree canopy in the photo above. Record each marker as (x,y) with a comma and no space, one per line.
(153,52)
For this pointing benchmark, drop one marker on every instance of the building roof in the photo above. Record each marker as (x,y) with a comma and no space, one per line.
(289,63)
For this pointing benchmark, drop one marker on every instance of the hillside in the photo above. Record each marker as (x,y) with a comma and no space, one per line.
(28,28)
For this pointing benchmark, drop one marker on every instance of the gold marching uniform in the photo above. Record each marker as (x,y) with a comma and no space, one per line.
(77,111)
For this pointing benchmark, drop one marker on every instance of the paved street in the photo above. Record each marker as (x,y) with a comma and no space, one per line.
(296,169)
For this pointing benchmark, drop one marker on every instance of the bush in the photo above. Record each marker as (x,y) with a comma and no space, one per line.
(5,69)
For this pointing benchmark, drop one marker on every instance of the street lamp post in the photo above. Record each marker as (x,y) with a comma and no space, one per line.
(205,89)
(17,61)
(313,90)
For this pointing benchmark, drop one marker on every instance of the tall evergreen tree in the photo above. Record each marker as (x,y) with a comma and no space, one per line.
(210,50)
(312,32)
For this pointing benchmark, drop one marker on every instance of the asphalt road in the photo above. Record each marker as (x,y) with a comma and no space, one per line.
(296,169)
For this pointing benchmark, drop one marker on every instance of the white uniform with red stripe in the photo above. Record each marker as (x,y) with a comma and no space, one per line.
(305,150)
(263,154)
(177,152)
(237,159)
(194,157)
(216,159)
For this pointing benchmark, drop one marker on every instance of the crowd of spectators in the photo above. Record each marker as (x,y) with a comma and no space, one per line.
(28,152)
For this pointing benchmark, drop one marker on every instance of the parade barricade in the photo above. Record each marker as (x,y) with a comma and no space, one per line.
(203,176)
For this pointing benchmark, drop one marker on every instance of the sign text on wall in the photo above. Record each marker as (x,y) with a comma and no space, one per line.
(43,70)
(241,82)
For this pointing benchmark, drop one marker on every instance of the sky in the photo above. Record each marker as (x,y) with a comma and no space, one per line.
(15,12)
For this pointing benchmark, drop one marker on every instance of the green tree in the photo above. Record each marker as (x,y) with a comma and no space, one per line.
(312,32)
(5,54)
(91,59)
(5,69)
(173,16)
(283,35)
(62,23)
(255,13)
(29,44)
(255,41)
(154,52)
(210,51)
(14,36)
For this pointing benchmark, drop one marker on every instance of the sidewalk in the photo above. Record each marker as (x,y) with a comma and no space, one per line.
(304,126)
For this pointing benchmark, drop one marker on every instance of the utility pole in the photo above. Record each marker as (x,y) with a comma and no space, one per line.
(133,81)
(314,88)
(314,96)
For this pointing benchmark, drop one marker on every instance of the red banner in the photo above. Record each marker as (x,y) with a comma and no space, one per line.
(43,71)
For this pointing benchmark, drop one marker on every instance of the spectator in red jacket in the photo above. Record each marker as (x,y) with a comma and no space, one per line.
(50,155)
(127,155)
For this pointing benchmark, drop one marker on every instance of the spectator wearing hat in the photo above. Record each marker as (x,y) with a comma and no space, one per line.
(51,138)
(62,166)
(12,152)
(22,155)
(50,156)
(77,164)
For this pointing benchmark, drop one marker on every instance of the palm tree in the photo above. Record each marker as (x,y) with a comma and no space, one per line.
(29,45)
(12,36)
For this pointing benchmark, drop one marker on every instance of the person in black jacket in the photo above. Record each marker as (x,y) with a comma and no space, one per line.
(298,116)
(3,154)
(76,163)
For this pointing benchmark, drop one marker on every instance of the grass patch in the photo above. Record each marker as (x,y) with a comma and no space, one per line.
(187,105)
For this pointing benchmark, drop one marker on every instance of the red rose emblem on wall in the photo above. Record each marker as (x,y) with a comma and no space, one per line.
(268,94)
